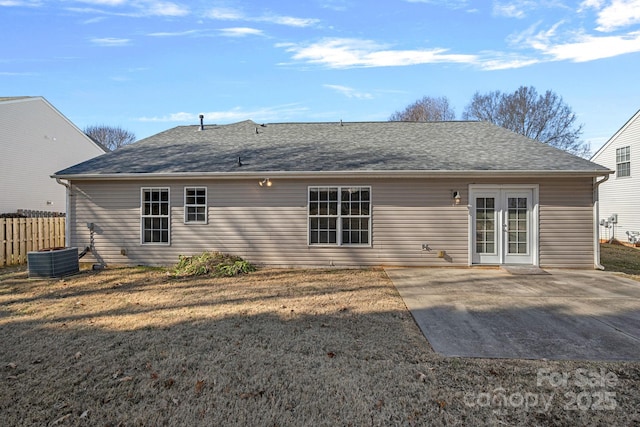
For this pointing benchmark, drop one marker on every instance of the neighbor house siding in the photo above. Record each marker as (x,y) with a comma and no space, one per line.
(36,141)
(268,225)
(620,195)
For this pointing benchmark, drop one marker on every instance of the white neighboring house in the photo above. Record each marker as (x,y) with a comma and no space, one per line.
(620,195)
(37,140)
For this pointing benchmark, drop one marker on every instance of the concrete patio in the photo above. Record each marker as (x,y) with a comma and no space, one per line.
(526,313)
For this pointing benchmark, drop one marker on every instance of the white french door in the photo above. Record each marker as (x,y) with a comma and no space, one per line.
(503,227)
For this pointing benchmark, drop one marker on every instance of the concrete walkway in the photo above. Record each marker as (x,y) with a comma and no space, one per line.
(559,314)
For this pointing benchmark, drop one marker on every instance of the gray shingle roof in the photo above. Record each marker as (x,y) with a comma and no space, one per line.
(334,147)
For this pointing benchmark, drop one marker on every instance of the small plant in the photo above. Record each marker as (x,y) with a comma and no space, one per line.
(238,267)
(214,264)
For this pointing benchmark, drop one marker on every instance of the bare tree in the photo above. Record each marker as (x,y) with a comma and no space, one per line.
(427,109)
(545,118)
(110,137)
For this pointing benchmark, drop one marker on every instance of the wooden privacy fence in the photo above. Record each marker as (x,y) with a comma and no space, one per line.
(21,235)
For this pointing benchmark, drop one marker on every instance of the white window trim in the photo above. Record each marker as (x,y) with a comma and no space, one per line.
(142,217)
(339,218)
(628,149)
(206,204)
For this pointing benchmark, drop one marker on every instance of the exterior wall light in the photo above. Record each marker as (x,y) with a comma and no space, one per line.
(265,182)
(456,197)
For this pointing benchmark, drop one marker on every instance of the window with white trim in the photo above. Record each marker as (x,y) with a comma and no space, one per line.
(195,205)
(154,215)
(340,216)
(623,162)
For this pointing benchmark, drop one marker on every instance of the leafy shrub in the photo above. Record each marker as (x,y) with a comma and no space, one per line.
(216,264)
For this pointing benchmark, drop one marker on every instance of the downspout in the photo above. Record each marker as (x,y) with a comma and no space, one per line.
(67,229)
(596,222)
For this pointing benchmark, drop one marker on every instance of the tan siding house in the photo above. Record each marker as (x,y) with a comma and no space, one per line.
(37,140)
(351,194)
(619,195)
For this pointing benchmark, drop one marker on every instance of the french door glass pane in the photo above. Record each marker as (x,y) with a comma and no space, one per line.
(517,224)
(485,225)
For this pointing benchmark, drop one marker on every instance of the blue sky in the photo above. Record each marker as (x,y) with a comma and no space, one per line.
(149,65)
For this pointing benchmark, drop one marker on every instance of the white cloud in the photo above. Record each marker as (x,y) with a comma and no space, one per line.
(453,4)
(240,32)
(530,47)
(287,20)
(619,14)
(227,14)
(597,4)
(576,46)
(349,92)
(519,9)
(337,5)
(94,10)
(589,48)
(19,3)
(509,10)
(110,41)
(349,53)
(174,34)
(492,61)
(531,37)
(137,8)
(103,2)
(93,20)
(162,8)
(275,113)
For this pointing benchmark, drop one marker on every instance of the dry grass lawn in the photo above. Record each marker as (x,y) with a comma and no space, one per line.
(619,258)
(276,347)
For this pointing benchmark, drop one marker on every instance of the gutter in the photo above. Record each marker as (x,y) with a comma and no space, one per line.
(67,229)
(59,181)
(596,223)
(339,174)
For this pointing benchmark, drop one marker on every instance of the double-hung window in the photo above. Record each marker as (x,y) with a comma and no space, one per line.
(154,213)
(623,162)
(195,205)
(339,215)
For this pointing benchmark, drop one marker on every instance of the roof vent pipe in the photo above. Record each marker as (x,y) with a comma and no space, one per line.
(201,121)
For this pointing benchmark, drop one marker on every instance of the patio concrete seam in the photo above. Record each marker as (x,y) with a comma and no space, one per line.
(620,331)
